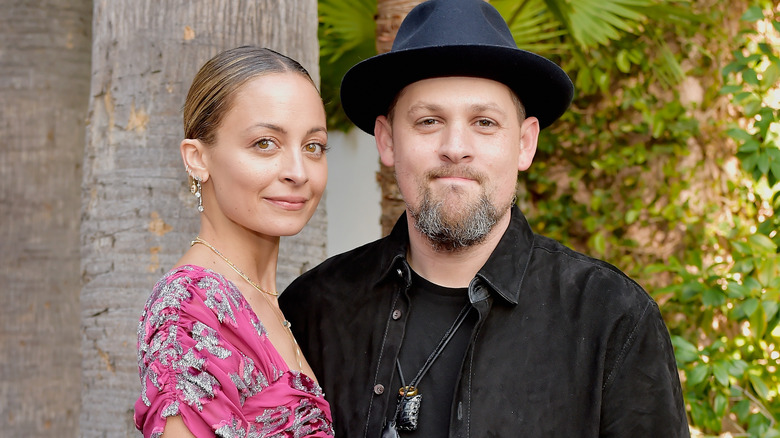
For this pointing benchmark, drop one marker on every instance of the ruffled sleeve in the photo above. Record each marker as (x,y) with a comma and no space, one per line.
(204,355)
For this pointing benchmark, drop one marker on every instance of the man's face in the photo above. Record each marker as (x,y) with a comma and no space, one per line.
(456,144)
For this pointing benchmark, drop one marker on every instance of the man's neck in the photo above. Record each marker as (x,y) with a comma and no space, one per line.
(452,268)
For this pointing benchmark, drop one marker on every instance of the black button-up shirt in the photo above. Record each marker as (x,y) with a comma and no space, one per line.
(565,345)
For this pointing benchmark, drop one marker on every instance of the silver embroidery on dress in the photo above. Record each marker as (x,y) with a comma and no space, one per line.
(195,386)
(165,295)
(248,384)
(218,300)
(259,327)
(171,410)
(171,295)
(304,413)
(233,430)
(207,338)
(271,419)
(254,433)
(165,346)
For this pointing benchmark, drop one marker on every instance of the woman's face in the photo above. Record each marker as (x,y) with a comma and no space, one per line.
(267,169)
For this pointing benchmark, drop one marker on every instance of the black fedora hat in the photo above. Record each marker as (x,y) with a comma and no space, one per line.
(454,38)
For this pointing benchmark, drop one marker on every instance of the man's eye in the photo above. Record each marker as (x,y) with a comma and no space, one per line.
(485,123)
(428,122)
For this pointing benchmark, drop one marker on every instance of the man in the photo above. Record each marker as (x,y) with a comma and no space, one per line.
(462,322)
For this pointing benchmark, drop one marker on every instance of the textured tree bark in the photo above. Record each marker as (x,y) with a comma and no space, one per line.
(390,14)
(139,216)
(44,81)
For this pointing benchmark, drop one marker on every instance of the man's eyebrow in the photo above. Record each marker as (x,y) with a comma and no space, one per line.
(423,106)
(480,107)
(476,107)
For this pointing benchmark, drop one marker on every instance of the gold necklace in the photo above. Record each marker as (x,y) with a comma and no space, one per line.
(279,316)
(286,324)
(235,268)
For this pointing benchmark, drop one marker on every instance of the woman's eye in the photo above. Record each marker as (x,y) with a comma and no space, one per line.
(315,148)
(264,143)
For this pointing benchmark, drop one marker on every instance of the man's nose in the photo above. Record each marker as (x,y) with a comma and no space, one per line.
(455,143)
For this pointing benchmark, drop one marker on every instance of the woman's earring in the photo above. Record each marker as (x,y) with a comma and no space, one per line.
(195,189)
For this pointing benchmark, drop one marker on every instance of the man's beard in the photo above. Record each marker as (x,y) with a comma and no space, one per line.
(450,231)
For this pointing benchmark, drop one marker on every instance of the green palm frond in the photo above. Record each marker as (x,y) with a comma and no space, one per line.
(533,26)
(676,11)
(344,26)
(347,34)
(595,22)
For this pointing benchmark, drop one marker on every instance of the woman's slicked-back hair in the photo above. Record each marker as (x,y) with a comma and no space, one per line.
(212,90)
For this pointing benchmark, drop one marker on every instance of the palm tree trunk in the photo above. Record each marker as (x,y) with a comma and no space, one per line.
(138,215)
(44,81)
(390,14)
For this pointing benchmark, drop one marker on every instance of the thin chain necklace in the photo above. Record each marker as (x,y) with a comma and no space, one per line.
(235,268)
(279,316)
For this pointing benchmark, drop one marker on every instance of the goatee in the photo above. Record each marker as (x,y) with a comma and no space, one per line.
(453,231)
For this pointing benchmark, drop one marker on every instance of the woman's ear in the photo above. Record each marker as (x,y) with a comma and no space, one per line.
(193,154)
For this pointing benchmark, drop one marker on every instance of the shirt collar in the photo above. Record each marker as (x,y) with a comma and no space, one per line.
(505,269)
(503,272)
(393,252)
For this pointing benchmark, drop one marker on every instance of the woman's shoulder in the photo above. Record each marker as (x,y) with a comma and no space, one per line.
(190,288)
(189,274)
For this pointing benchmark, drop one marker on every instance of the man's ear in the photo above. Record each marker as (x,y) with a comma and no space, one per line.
(529,136)
(383,133)
(193,153)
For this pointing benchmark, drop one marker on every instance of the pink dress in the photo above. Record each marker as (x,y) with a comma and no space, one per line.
(203,354)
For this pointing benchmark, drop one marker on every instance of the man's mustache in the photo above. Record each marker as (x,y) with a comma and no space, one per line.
(455,172)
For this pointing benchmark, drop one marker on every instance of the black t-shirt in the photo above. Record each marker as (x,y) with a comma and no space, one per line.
(433,310)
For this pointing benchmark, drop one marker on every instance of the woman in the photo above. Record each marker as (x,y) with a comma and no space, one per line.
(216,355)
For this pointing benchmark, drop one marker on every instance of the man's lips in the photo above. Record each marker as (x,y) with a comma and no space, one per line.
(455,175)
(455,178)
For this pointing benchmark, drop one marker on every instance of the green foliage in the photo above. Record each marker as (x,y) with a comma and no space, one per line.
(347,33)
(596,22)
(732,380)
(751,77)
(534,27)
(679,188)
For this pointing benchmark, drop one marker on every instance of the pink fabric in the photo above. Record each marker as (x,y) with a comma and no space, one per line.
(203,354)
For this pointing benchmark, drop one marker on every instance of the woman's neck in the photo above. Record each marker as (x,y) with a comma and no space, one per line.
(253,254)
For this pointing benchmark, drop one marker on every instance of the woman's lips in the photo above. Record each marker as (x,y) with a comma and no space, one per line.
(291,203)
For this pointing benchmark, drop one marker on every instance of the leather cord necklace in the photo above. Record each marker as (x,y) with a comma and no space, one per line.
(409,398)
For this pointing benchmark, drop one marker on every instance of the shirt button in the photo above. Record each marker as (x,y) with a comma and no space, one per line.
(398,271)
(396,314)
(379,389)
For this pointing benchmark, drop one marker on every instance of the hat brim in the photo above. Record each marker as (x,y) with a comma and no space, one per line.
(369,87)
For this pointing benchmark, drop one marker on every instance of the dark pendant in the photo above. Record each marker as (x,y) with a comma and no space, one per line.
(409,401)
